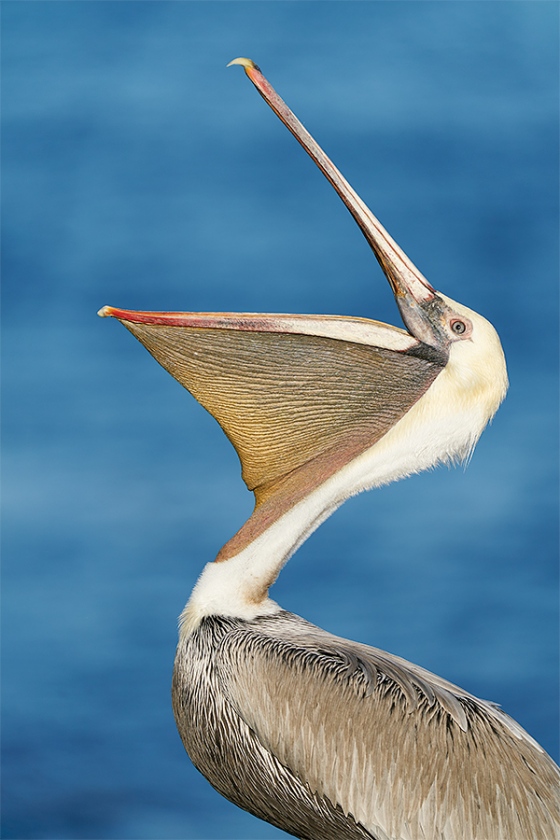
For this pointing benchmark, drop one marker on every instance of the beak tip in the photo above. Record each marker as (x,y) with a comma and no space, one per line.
(247,64)
(105,312)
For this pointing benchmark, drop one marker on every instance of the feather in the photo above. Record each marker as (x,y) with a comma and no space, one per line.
(460,771)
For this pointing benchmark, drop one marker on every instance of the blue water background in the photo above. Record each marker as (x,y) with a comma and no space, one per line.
(139,172)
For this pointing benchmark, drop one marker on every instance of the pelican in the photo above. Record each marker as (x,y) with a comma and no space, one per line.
(326,738)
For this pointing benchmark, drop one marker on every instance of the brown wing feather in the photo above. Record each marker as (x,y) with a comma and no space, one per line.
(403,751)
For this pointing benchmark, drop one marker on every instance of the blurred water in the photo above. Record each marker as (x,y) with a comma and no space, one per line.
(139,172)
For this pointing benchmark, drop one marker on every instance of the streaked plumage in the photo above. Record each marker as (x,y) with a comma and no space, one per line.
(273,711)
(323,737)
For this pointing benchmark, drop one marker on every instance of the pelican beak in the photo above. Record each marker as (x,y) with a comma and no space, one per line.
(416,298)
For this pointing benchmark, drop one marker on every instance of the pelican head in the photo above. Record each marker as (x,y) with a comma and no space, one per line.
(469,341)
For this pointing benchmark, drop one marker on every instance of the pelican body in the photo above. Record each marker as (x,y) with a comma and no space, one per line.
(329,739)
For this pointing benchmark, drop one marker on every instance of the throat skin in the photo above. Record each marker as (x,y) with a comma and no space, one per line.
(442,427)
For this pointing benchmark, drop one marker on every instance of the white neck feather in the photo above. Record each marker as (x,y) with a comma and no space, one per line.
(442,427)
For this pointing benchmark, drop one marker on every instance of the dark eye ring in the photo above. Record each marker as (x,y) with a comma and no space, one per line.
(458,327)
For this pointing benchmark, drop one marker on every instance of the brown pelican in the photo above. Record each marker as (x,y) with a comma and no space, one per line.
(323,737)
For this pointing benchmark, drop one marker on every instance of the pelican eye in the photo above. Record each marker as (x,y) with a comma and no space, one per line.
(458,327)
